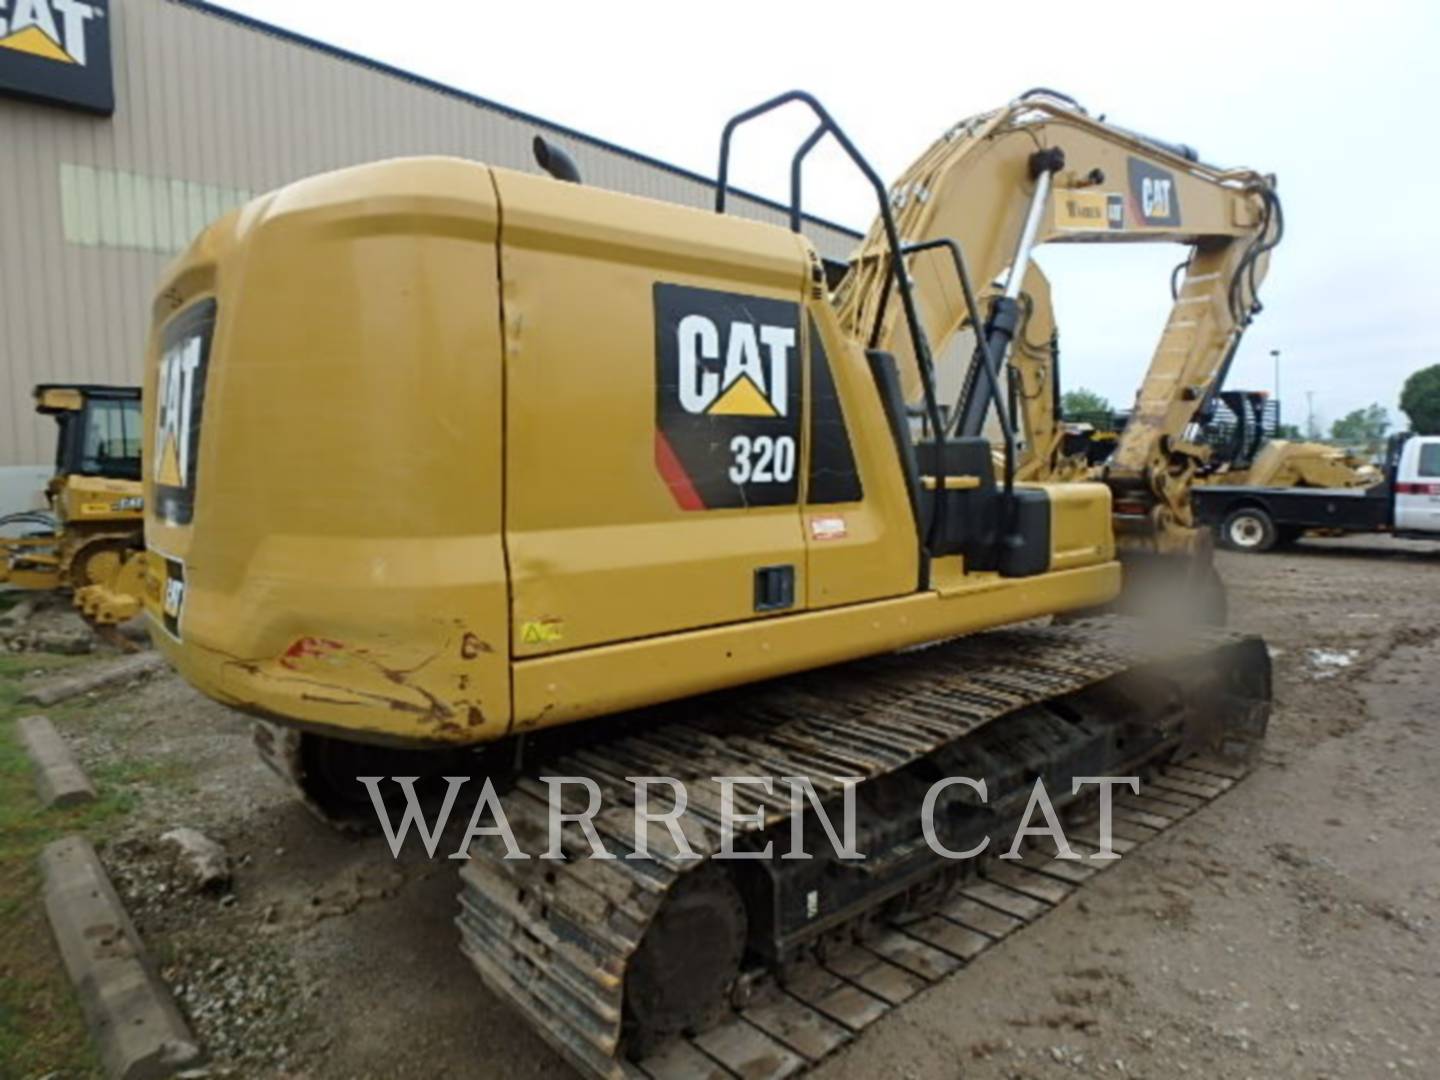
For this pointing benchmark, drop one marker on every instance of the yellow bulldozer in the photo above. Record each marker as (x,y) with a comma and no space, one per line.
(562,489)
(90,539)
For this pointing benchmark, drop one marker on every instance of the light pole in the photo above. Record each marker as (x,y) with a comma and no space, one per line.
(1275,356)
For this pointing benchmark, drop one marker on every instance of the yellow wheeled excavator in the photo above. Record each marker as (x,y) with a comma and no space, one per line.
(560,488)
(90,539)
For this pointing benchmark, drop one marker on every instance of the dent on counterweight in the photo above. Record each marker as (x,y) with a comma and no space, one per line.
(332,672)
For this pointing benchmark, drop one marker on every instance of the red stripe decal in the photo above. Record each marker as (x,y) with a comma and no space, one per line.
(673,473)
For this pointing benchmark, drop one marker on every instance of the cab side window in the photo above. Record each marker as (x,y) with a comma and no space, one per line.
(1429,460)
(112,440)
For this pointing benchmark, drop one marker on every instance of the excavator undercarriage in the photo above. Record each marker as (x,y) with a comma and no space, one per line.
(670,966)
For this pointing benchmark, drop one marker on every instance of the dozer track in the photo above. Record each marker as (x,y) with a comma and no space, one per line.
(561,940)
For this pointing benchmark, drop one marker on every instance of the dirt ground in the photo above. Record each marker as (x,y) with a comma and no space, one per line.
(1289,929)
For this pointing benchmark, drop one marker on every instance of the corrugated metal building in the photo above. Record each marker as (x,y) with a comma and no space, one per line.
(208,108)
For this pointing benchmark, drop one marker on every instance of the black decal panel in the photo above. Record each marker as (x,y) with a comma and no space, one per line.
(833,477)
(727,408)
(179,410)
(53,51)
(172,596)
(1153,197)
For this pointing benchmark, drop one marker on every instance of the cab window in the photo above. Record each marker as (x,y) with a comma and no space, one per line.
(112,440)
(1429,460)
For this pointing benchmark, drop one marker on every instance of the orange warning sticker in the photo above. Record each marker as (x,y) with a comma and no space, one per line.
(827,528)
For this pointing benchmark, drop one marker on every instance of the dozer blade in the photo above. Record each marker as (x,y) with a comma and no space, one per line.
(599,954)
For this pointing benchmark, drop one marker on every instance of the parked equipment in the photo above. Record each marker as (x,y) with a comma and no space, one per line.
(1404,500)
(1246,453)
(90,538)
(525,453)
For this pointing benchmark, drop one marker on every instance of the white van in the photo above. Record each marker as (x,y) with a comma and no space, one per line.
(1417,486)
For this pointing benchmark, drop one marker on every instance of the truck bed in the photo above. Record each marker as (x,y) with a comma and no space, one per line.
(1369,509)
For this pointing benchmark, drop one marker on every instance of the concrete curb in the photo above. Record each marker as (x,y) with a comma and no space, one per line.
(72,685)
(59,780)
(132,1019)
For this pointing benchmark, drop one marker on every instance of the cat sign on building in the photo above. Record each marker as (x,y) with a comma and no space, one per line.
(57,51)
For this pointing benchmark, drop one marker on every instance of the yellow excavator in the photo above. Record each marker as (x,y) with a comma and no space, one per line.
(558,488)
(90,540)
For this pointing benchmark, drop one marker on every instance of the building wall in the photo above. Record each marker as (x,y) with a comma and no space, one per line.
(211,108)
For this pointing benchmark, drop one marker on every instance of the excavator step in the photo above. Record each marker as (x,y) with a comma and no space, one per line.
(556,939)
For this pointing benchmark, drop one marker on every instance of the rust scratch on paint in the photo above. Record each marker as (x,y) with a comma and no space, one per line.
(471,646)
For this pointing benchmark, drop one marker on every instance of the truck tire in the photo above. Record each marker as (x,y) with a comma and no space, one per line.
(1248,528)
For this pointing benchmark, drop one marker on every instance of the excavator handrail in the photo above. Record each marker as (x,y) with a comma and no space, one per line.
(924,361)
(796,163)
(1007,427)
(987,362)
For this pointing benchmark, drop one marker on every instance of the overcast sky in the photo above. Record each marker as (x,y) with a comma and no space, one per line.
(1334,98)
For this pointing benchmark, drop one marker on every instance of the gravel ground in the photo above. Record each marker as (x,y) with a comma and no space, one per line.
(1286,930)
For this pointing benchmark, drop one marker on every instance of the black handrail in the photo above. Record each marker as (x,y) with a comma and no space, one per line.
(795,166)
(987,358)
(892,235)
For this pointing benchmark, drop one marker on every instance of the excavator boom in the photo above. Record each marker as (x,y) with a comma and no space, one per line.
(1041,170)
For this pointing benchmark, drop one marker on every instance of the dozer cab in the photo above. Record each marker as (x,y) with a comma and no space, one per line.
(89,538)
(451,468)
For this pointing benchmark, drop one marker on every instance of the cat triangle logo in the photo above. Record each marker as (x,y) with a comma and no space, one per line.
(36,42)
(50,29)
(176,413)
(743,398)
(58,51)
(168,471)
(733,367)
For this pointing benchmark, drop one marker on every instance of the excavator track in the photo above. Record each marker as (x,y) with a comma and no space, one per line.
(558,940)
